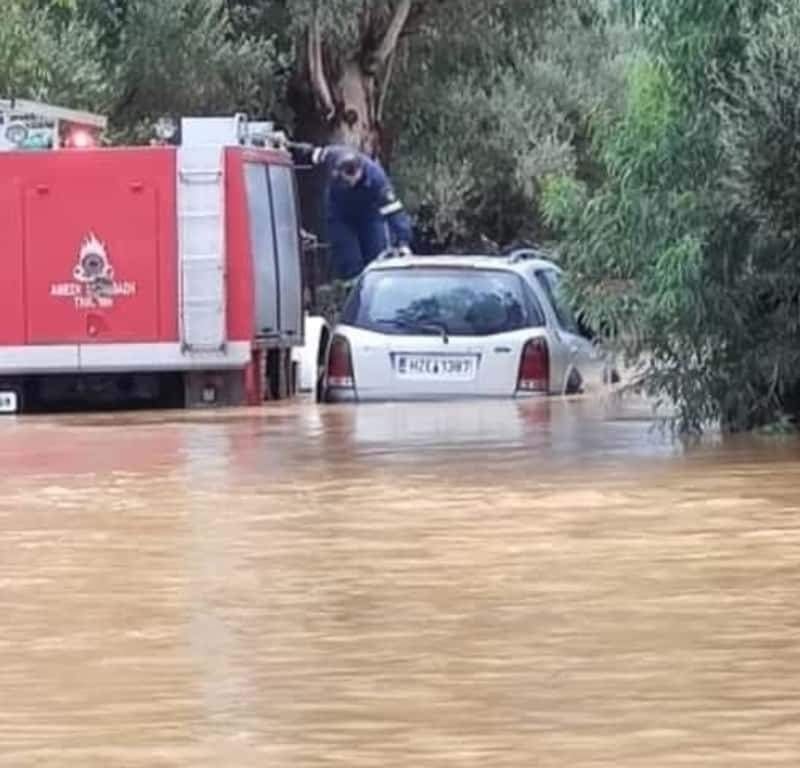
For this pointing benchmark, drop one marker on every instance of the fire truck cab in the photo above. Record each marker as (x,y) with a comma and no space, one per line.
(168,273)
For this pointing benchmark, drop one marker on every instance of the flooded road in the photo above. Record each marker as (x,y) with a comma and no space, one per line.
(493,585)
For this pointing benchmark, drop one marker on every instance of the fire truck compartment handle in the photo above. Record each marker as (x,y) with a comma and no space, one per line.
(199,176)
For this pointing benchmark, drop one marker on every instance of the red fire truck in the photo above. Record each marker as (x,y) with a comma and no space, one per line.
(136,274)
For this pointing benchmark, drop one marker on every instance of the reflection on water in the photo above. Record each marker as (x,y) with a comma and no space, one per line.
(542,584)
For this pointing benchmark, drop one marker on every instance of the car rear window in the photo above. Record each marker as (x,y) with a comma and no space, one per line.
(460,301)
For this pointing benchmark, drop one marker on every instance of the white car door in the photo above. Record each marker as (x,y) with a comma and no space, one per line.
(582,354)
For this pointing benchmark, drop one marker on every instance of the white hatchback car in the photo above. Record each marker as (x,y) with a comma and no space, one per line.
(444,327)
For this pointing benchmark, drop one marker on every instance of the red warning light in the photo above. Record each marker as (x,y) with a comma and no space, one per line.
(79,138)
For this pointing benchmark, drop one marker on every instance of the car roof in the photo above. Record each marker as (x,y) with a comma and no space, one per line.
(514,262)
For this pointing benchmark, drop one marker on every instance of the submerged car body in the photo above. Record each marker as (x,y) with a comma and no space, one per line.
(444,327)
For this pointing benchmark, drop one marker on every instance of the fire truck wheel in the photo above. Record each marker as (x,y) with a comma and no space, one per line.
(280,374)
(322,359)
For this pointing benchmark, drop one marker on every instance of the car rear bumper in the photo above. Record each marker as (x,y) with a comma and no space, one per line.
(349,396)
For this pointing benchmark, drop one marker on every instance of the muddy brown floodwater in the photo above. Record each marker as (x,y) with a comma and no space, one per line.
(493,585)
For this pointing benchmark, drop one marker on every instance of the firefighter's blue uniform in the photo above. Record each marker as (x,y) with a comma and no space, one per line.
(363,220)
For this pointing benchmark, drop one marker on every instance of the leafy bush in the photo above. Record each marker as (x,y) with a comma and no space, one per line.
(485,111)
(181,58)
(685,255)
(44,58)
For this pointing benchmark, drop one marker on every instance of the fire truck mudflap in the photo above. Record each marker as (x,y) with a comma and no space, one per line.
(153,260)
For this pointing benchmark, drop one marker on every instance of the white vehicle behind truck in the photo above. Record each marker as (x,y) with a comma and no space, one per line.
(445,327)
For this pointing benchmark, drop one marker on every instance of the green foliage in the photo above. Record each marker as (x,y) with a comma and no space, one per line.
(487,109)
(341,21)
(136,59)
(686,254)
(43,58)
(761,128)
(180,57)
(761,143)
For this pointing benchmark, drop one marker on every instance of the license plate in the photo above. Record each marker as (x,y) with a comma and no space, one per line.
(436,367)
(9,402)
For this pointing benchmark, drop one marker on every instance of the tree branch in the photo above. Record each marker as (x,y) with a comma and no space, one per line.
(384,86)
(388,45)
(420,13)
(316,69)
(366,19)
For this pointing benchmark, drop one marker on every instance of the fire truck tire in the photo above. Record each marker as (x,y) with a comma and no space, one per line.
(322,359)
(214,389)
(281,374)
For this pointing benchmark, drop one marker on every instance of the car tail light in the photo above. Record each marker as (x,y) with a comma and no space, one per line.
(534,367)
(340,364)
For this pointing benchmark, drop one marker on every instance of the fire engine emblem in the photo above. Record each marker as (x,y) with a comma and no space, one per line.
(94,285)
(93,263)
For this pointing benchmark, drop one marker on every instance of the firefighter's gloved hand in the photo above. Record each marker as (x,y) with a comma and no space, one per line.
(279,139)
(301,152)
(403,250)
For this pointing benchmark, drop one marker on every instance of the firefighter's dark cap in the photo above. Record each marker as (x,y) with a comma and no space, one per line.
(349,164)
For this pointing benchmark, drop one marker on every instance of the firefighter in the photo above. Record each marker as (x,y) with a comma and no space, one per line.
(364,215)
